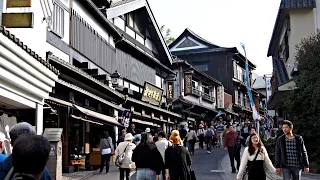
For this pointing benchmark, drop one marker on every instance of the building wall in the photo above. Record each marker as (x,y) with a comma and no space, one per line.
(219,66)
(35,37)
(227,99)
(302,25)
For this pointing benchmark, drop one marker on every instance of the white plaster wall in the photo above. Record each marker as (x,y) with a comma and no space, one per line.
(302,25)
(35,38)
(316,12)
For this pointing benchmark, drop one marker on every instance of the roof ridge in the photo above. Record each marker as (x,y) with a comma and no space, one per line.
(33,54)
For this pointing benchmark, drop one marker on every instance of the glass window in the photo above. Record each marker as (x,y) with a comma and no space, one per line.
(158,81)
(130,20)
(194,84)
(134,87)
(202,67)
(120,82)
(58,20)
(205,89)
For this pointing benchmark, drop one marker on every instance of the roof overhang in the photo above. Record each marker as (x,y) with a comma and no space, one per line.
(278,96)
(285,6)
(132,6)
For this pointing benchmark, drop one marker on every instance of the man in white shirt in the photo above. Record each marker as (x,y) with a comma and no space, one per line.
(201,135)
(162,144)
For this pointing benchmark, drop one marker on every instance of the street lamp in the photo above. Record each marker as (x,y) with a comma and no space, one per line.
(115,78)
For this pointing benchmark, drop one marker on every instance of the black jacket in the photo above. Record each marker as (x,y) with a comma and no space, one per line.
(281,152)
(148,156)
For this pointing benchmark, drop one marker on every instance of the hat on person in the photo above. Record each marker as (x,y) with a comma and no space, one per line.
(128,137)
(147,130)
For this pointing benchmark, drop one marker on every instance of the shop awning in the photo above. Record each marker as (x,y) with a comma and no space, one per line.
(97,115)
(153,107)
(86,120)
(145,122)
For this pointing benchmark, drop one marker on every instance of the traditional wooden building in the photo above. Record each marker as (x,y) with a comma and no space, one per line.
(226,65)
(26,79)
(110,69)
(196,95)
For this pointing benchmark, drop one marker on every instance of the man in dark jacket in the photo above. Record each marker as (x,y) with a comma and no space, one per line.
(16,131)
(291,154)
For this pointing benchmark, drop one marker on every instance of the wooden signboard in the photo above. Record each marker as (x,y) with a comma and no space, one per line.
(187,84)
(170,91)
(152,94)
(18,20)
(18,3)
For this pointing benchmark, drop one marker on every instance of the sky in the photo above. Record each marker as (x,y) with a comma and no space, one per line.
(225,23)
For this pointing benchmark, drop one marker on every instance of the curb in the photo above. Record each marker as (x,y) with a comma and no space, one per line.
(88,175)
(222,174)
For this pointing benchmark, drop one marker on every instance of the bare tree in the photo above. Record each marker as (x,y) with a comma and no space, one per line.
(166,32)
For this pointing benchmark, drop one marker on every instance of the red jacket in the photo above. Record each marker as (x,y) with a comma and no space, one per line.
(230,139)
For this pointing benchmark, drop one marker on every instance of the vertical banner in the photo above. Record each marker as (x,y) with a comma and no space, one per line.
(126,118)
(170,90)
(255,114)
(187,84)
(220,97)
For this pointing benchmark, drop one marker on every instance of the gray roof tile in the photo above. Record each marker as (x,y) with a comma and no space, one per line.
(19,43)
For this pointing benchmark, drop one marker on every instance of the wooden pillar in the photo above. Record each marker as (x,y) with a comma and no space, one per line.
(63,114)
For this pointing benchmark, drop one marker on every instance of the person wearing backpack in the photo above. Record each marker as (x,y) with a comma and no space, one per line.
(209,137)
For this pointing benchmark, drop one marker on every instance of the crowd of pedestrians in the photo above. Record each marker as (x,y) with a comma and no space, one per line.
(154,157)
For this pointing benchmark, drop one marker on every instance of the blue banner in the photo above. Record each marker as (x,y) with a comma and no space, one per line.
(255,114)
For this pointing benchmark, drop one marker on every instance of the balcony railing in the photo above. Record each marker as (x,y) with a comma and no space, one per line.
(207,97)
(196,91)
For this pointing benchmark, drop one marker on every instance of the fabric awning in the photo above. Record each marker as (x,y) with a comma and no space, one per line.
(145,122)
(97,115)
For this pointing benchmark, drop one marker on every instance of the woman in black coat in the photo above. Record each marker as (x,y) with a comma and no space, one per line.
(177,159)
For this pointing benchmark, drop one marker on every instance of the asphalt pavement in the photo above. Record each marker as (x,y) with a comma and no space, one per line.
(206,167)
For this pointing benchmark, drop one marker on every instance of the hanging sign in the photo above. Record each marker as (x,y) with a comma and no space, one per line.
(152,94)
(220,97)
(18,3)
(126,118)
(170,89)
(18,20)
(187,84)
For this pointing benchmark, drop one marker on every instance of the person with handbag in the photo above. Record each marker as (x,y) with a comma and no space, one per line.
(125,149)
(106,149)
(177,159)
(253,159)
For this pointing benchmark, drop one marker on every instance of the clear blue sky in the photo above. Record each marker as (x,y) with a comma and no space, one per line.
(225,23)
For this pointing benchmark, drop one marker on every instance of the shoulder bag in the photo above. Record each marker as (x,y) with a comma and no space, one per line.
(120,157)
(107,150)
(249,166)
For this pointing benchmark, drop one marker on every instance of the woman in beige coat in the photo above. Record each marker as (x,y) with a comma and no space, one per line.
(127,148)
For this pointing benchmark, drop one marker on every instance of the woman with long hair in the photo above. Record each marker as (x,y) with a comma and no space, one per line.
(253,159)
(106,149)
(177,159)
(148,159)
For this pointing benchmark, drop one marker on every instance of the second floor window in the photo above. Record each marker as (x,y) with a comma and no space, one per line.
(206,90)
(58,20)
(159,81)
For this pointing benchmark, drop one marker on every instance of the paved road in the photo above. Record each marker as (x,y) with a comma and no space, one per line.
(206,166)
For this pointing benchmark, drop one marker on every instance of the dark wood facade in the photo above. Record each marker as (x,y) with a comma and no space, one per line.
(218,62)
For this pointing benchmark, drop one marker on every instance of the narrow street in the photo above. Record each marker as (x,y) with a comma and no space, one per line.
(206,166)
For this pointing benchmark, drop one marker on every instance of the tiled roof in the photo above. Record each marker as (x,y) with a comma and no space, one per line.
(297,4)
(81,72)
(17,41)
(120,2)
(280,69)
